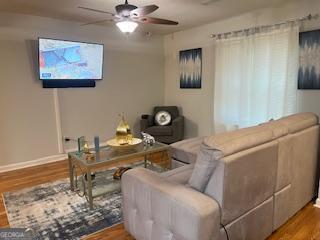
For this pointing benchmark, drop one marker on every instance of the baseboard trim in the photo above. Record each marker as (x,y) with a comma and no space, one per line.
(40,161)
(32,163)
(317,204)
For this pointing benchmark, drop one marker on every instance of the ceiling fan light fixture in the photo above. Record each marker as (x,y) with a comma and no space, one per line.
(127,26)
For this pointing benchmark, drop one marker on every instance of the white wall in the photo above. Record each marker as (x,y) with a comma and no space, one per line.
(133,81)
(197,104)
(27,123)
(133,84)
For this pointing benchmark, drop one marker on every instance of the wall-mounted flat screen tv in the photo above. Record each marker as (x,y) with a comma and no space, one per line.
(68,60)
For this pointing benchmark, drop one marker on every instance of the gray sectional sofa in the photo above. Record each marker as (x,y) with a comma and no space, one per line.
(261,177)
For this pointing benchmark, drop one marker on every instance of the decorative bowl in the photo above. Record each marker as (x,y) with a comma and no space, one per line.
(113,143)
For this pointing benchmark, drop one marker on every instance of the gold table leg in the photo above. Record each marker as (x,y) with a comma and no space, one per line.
(71,173)
(89,187)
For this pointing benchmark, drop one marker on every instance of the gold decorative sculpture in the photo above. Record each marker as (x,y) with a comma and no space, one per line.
(123,133)
(124,139)
(86,148)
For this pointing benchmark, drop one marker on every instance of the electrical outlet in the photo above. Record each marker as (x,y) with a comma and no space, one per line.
(66,139)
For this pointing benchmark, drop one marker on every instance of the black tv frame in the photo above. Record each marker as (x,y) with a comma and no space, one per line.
(66,83)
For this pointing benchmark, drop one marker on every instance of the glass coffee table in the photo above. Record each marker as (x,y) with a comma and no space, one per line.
(108,157)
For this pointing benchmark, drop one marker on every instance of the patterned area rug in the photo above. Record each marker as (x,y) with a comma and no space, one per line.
(55,212)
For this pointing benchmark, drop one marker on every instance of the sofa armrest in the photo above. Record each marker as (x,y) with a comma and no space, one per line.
(145,122)
(178,128)
(155,208)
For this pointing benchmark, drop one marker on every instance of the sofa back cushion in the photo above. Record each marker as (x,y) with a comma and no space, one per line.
(299,122)
(278,129)
(281,128)
(305,165)
(239,140)
(245,174)
(244,180)
(261,160)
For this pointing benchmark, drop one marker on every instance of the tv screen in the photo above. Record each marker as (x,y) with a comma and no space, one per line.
(68,60)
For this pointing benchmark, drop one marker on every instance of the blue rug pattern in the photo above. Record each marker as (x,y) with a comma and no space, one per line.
(55,212)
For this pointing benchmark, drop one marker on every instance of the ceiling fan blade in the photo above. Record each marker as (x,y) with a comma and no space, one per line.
(96,10)
(99,21)
(125,9)
(156,21)
(207,2)
(142,11)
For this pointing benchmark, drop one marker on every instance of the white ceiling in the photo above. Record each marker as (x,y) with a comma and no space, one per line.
(189,13)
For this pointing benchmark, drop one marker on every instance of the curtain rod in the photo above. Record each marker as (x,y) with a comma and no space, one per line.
(306,18)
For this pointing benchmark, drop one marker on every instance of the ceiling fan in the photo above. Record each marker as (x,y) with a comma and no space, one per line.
(207,2)
(128,16)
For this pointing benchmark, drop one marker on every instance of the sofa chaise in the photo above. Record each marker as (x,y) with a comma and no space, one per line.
(261,176)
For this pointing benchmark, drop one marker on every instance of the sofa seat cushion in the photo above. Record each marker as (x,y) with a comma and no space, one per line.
(179,175)
(187,150)
(160,130)
(239,140)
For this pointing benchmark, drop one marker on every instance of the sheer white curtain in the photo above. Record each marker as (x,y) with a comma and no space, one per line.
(256,77)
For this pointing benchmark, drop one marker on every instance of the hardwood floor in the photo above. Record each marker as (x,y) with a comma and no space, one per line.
(305,225)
